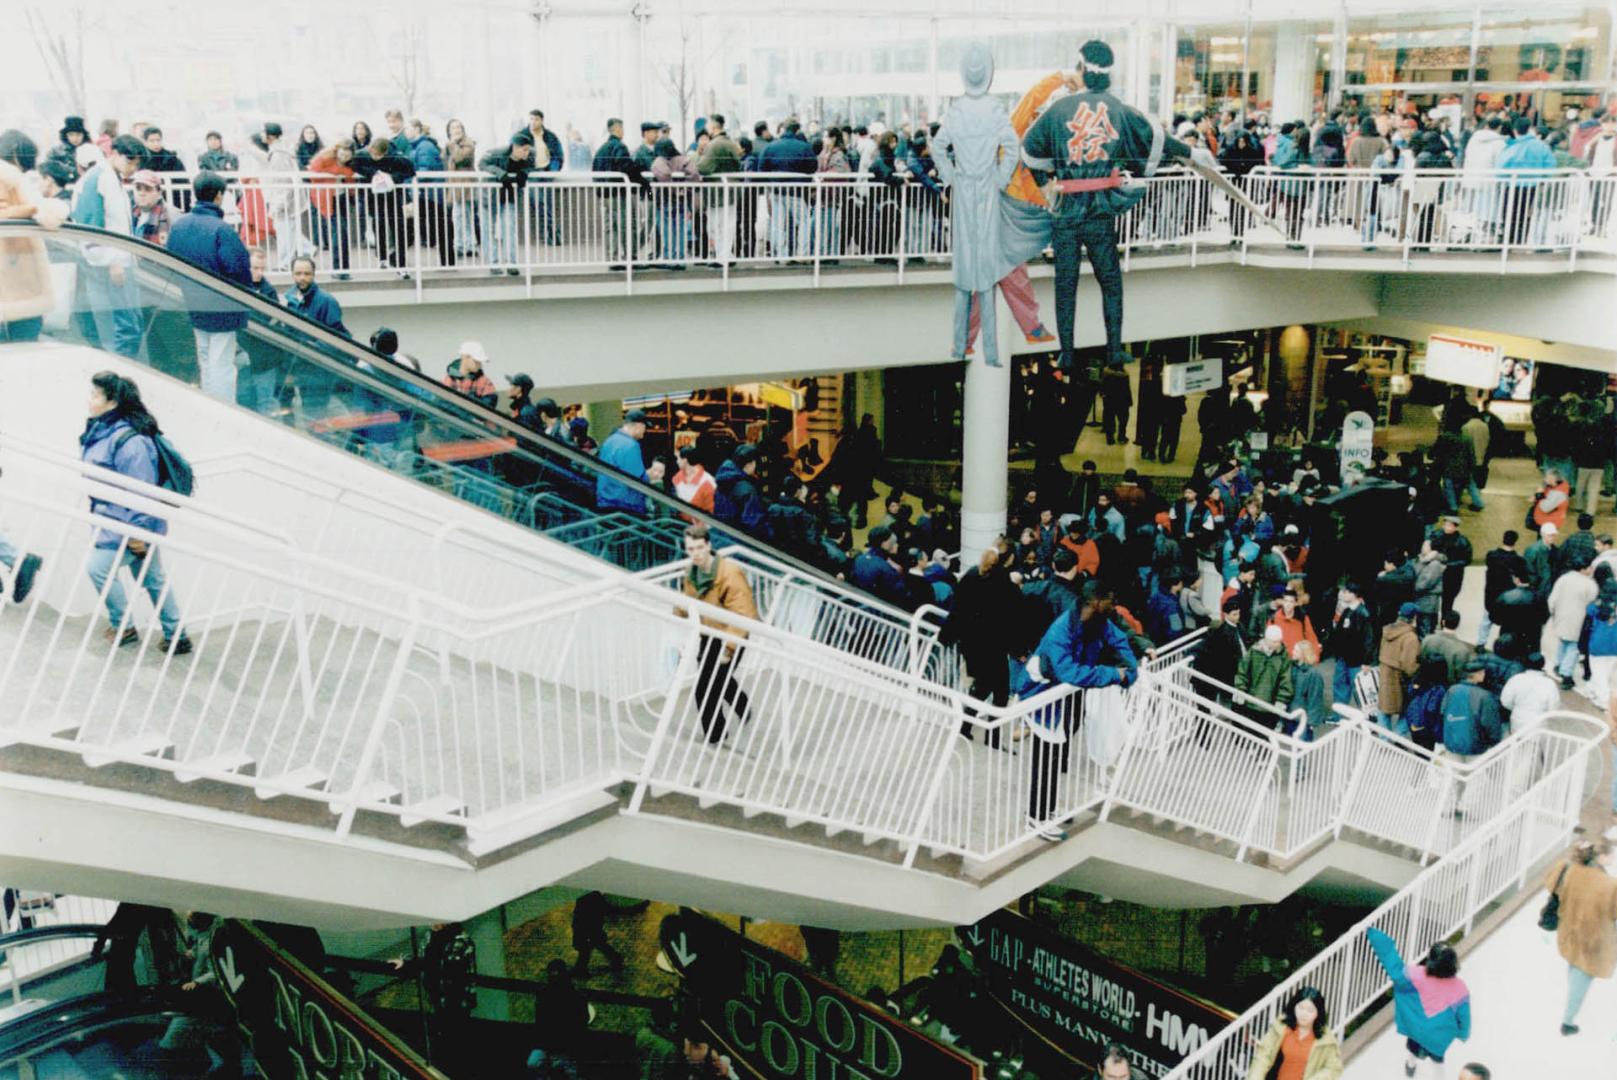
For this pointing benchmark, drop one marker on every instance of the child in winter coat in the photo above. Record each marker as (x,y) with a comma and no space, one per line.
(1431,1004)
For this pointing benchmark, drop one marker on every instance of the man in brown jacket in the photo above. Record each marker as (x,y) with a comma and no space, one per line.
(720,582)
(1587,935)
(1400,658)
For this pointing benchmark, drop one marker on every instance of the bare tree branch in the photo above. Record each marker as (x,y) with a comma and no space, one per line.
(679,79)
(405,72)
(63,54)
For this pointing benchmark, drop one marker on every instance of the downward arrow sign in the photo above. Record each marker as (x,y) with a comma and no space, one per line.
(975,936)
(227,967)
(682,953)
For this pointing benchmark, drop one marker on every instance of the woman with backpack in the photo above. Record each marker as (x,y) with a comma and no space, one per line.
(121,435)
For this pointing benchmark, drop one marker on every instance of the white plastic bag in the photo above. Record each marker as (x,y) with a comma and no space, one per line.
(1105,724)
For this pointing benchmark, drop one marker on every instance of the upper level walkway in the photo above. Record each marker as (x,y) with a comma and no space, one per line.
(568,234)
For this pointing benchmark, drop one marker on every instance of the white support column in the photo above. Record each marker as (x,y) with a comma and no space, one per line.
(1170,67)
(986,437)
(935,101)
(1294,72)
(487,932)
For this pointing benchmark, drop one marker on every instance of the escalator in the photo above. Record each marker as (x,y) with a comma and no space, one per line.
(58,1020)
(345,395)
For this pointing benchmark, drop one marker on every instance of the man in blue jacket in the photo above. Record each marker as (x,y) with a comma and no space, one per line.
(1528,158)
(202,238)
(310,300)
(790,156)
(1471,720)
(621,450)
(875,571)
(736,500)
(1083,648)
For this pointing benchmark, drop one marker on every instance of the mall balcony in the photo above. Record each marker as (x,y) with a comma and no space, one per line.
(601,290)
(430,675)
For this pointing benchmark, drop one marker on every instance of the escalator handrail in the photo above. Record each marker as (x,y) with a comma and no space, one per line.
(34,935)
(445,399)
(57,1021)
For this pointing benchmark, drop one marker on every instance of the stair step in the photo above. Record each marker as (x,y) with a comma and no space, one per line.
(437,806)
(228,761)
(147,744)
(376,791)
(308,777)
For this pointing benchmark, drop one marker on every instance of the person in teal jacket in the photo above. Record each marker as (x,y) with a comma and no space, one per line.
(1528,159)
(1431,1003)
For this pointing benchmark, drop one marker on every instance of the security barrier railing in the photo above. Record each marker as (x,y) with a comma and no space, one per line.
(1533,825)
(460,223)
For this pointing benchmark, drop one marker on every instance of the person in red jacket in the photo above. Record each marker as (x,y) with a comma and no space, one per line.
(1294,624)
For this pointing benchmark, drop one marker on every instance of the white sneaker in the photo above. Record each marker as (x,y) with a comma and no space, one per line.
(1045,830)
(1611,834)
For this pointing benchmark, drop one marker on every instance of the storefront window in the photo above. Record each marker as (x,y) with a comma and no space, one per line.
(1544,44)
(1209,62)
(1427,48)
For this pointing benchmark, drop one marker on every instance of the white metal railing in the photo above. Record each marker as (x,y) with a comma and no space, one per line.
(1421,211)
(1445,899)
(324,681)
(462,223)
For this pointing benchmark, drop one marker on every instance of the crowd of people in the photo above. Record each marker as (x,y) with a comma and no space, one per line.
(387,190)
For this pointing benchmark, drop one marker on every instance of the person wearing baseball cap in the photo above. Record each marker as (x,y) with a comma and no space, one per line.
(1400,659)
(622,451)
(152,218)
(465,375)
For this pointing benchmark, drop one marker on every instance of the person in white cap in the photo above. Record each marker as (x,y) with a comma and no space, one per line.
(1264,675)
(465,375)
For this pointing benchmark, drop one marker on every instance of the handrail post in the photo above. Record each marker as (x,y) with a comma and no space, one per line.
(373,740)
(903,227)
(935,785)
(1354,781)
(1439,810)
(682,674)
(1257,804)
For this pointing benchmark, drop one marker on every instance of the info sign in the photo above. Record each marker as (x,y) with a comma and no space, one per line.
(1357,448)
(299,1028)
(1078,1000)
(777,1020)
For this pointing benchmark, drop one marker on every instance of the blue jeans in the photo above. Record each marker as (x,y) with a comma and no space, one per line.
(1577,985)
(502,235)
(148,573)
(1342,684)
(1451,494)
(788,226)
(1566,662)
(1394,724)
(8,551)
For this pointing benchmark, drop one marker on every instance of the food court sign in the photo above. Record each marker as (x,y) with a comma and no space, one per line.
(777,1020)
(1078,1000)
(299,1028)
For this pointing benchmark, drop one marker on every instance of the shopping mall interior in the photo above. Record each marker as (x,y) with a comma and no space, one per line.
(807,541)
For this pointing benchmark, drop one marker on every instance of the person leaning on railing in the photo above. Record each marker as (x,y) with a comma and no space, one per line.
(1300,1044)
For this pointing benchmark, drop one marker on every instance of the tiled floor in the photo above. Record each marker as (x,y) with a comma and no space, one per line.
(1518,982)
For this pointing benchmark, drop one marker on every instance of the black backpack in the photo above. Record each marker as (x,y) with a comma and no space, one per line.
(174,473)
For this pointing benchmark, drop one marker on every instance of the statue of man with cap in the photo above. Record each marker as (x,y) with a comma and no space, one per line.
(976,153)
(1089,150)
